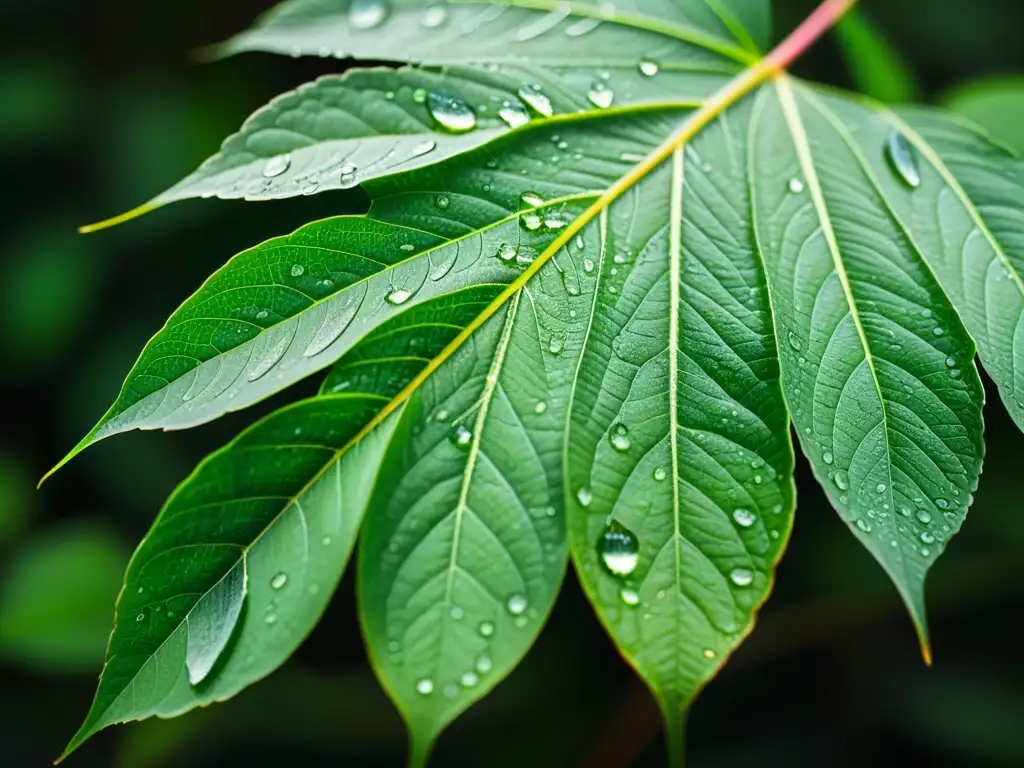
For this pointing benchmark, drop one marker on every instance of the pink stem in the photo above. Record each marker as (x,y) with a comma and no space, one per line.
(804,36)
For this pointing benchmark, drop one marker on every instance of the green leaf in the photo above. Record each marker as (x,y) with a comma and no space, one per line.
(876,65)
(464,545)
(878,367)
(994,103)
(48,620)
(679,460)
(545,33)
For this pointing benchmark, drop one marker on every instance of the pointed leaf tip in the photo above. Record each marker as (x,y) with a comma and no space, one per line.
(134,213)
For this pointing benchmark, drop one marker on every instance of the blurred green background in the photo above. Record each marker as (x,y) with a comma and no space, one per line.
(102,108)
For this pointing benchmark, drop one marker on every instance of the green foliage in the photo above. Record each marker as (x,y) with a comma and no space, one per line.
(611,254)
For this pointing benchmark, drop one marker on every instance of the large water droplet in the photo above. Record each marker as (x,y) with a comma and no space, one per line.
(902,159)
(619,550)
(366,14)
(648,68)
(514,114)
(744,517)
(619,438)
(279,580)
(536,100)
(453,114)
(277,165)
(516,604)
(425,686)
(741,577)
(398,297)
(600,95)
(530,200)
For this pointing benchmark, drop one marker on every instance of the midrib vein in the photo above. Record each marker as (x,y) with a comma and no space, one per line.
(674,269)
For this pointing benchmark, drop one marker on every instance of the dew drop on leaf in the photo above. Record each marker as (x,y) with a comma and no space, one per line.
(629,596)
(270,618)
(298,270)
(425,687)
(864,525)
(516,605)
(841,481)
(619,550)
(744,517)
(741,577)
(514,114)
(469,679)
(536,100)
(619,438)
(600,95)
(924,517)
(398,297)
(794,341)
(483,665)
(530,200)
(366,14)
(540,407)
(584,497)
(556,346)
(648,68)
(279,580)
(660,474)
(461,437)
(927,538)
(902,159)
(433,17)
(709,653)
(456,613)
(423,148)
(442,202)
(277,165)
(827,457)
(795,186)
(486,629)
(452,114)
(942,504)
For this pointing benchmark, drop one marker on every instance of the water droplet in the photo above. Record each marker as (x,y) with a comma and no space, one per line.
(540,407)
(942,504)
(262,314)
(880,488)
(451,113)
(902,159)
(584,497)
(660,474)
(398,296)
(419,96)
(648,68)
(514,114)
(536,100)
(442,202)
(906,511)
(556,346)
(530,200)
(297,270)
(827,457)
(516,604)
(927,538)
(795,185)
(744,517)
(588,266)
(483,665)
(619,438)
(425,687)
(955,373)
(709,653)
(950,362)
(277,165)
(924,517)
(936,331)
(279,580)
(326,541)
(461,437)
(366,14)
(270,618)
(629,596)
(841,481)
(469,679)
(741,577)
(600,95)
(407,247)
(581,27)
(794,341)
(457,613)
(434,16)
(140,617)
(531,221)
(619,550)
(422,148)
(864,525)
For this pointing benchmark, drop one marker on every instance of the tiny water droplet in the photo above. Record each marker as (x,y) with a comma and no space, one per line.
(461,437)
(326,541)
(425,687)
(298,270)
(827,457)
(950,362)
(927,538)
(556,346)
(453,114)
(457,613)
(530,200)
(880,488)
(864,525)
(937,331)
(366,14)
(924,517)
(422,148)
(531,221)
(648,68)
(744,517)
(741,577)
(660,474)
(902,159)
(588,266)
(279,580)
(536,100)
(619,438)
(629,596)
(942,504)
(619,550)
(584,497)
(514,114)
(486,629)
(270,618)
(516,604)
(398,296)
(709,653)
(540,407)
(795,185)
(483,665)
(469,679)
(277,165)
(434,16)
(600,95)
(841,481)
(794,341)
(419,95)
(262,314)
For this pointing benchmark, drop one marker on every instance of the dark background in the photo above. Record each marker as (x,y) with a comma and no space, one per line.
(101,108)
